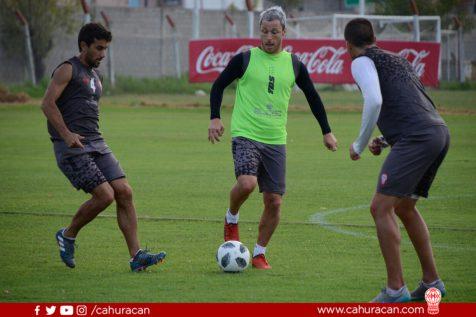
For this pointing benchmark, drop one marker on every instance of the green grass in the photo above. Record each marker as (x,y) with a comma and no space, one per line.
(182,181)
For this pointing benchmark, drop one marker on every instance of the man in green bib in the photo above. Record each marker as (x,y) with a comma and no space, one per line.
(266,76)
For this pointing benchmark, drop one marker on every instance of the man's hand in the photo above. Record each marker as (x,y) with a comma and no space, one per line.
(353,155)
(376,145)
(73,140)
(215,130)
(330,142)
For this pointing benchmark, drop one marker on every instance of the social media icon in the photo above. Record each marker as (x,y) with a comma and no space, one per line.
(37,310)
(50,310)
(66,310)
(81,310)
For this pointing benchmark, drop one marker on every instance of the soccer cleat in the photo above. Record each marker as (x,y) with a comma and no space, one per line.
(419,293)
(384,297)
(66,247)
(231,231)
(143,259)
(259,262)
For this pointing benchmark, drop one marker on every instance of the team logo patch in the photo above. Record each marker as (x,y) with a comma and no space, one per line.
(433,299)
(383,179)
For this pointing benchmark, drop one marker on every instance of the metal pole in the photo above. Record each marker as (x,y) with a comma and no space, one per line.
(110,53)
(334,26)
(86,10)
(462,77)
(30,54)
(448,57)
(416,28)
(251,18)
(459,26)
(362,7)
(251,24)
(438,40)
(29,50)
(416,21)
(176,46)
(161,40)
(196,20)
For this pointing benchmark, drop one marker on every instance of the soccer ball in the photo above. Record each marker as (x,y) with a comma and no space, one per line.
(233,256)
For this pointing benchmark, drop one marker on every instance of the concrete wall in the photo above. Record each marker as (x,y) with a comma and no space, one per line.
(143,41)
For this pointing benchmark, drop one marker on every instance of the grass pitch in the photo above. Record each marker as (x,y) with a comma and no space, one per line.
(324,250)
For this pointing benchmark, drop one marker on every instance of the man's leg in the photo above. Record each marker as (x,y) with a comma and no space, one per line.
(126,213)
(420,237)
(388,233)
(244,186)
(268,223)
(270,217)
(102,197)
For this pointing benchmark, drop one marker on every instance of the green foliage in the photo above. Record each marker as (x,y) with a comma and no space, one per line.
(45,18)
(446,9)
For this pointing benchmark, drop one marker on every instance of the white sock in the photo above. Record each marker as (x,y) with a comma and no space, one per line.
(393,292)
(429,285)
(232,218)
(259,250)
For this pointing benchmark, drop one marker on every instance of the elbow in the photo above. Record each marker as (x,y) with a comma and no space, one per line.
(45,106)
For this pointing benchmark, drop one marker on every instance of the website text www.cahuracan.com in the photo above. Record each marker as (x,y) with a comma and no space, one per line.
(362,310)
(114,310)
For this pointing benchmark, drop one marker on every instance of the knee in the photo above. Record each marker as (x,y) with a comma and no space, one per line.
(106,197)
(123,192)
(377,209)
(247,186)
(374,209)
(273,203)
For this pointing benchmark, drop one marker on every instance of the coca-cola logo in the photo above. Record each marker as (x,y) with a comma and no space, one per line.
(324,60)
(210,60)
(415,58)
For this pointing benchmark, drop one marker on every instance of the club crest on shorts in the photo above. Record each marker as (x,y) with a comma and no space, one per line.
(383,179)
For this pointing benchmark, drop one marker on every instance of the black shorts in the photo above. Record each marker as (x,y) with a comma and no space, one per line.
(265,161)
(411,166)
(88,170)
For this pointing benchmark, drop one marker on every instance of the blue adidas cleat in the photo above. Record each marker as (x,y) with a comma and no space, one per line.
(419,293)
(143,259)
(66,246)
(383,297)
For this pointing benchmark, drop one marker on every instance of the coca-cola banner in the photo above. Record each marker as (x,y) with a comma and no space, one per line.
(327,60)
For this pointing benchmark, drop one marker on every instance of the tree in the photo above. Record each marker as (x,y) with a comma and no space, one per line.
(45,18)
(446,9)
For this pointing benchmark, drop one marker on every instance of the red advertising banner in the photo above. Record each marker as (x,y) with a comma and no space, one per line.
(327,60)
(235,309)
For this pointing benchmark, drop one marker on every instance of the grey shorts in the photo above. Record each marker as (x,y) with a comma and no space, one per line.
(265,161)
(411,166)
(88,170)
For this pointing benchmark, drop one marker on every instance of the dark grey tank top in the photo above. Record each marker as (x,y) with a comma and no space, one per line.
(78,103)
(406,107)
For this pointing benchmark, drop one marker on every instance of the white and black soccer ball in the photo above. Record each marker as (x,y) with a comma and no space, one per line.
(233,256)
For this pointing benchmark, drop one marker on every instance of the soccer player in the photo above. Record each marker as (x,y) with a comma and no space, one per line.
(266,76)
(395,100)
(71,106)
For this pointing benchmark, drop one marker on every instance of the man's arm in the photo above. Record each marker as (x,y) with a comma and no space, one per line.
(317,107)
(232,71)
(366,76)
(61,78)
